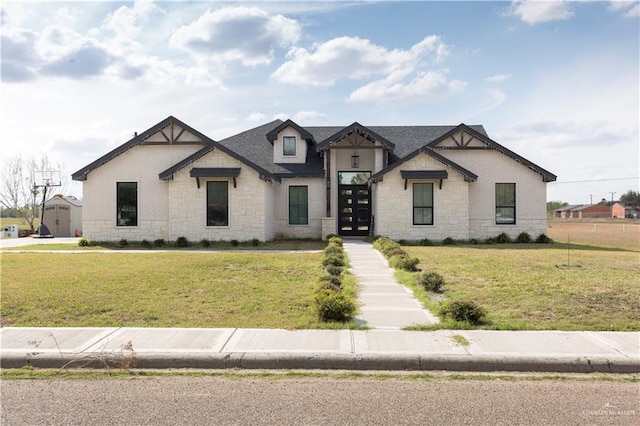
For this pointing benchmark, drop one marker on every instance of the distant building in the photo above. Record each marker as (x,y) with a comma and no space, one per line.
(590,211)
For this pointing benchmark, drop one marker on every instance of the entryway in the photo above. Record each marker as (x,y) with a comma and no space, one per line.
(354,210)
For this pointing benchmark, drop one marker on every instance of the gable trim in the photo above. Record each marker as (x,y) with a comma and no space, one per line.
(139,139)
(546,175)
(273,134)
(355,128)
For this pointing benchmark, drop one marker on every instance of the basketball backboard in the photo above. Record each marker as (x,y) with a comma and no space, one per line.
(47,178)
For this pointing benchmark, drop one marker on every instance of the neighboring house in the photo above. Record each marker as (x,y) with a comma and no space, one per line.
(590,211)
(282,180)
(63,216)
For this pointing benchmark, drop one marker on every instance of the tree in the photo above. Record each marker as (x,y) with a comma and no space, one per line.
(631,199)
(555,205)
(17,186)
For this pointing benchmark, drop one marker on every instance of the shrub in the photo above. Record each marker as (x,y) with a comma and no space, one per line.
(255,242)
(334,306)
(448,241)
(145,243)
(334,259)
(431,281)
(333,250)
(159,242)
(205,243)
(543,239)
(330,282)
(474,242)
(235,243)
(182,242)
(396,251)
(404,263)
(83,242)
(425,242)
(123,242)
(503,238)
(523,237)
(336,240)
(334,270)
(466,311)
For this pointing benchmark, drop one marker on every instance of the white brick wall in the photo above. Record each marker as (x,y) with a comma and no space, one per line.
(393,205)
(317,206)
(493,167)
(140,164)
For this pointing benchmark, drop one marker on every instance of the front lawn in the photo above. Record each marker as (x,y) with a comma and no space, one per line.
(539,286)
(176,289)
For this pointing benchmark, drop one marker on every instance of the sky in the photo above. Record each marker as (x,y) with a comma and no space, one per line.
(556,82)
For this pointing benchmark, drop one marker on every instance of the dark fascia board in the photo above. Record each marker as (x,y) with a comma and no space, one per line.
(280,176)
(353,127)
(168,174)
(273,134)
(468,176)
(81,174)
(546,175)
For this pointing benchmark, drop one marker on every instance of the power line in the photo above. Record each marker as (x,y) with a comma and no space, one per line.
(597,180)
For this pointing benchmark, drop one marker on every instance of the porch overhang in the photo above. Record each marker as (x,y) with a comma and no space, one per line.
(423,174)
(215,172)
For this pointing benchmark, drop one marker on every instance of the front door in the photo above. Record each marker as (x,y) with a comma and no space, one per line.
(354,210)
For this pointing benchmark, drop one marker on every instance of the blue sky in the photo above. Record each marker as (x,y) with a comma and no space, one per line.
(556,82)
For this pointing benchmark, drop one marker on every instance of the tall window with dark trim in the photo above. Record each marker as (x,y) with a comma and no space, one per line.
(289,146)
(298,205)
(505,203)
(423,203)
(127,203)
(217,203)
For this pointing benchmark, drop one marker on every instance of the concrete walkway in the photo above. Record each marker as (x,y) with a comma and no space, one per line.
(218,348)
(384,304)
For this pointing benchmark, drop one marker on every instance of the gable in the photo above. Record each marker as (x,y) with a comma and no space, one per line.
(461,140)
(170,132)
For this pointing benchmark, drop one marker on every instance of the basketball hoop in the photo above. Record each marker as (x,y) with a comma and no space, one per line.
(45,179)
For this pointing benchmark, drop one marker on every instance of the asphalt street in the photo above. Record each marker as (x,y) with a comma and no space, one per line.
(317,401)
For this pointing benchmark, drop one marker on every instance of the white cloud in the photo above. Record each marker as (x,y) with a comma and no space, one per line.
(429,85)
(126,22)
(540,11)
(629,9)
(256,117)
(497,78)
(353,58)
(246,35)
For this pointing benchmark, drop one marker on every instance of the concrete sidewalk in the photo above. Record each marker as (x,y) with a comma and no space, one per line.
(481,350)
(384,304)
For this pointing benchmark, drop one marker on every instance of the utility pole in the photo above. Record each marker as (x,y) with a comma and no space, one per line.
(591,198)
(612,193)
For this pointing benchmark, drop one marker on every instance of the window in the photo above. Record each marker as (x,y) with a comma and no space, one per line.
(127,203)
(423,203)
(289,146)
(217,203)
(505,203)
(298,205)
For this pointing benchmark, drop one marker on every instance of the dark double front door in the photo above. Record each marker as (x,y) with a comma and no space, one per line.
(354,210)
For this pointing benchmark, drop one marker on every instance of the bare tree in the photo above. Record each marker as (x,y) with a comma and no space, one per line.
(17,186)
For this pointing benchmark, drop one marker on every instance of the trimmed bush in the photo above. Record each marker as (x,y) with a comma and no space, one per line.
(448,242)
(503,238)
(205,243)
(334,270)
(466,311)
(404,263)
(333,250)
(334,259)
(123,242)
(336,240)
(424,242)
(145,244)
(431,281)
(159,242)
(543,239)
(334,306)
(83,242)
(235,243)
(474,242)
(182,242)
(255,242)
(329,282)
(523,238)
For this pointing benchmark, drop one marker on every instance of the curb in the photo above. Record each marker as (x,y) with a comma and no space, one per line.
(324,361)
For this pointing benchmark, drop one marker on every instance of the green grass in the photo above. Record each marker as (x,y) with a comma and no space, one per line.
(176,289)
(534,287)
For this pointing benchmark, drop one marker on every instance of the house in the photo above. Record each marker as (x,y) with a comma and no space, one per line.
(590,211)
(63,215)
(282,180)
